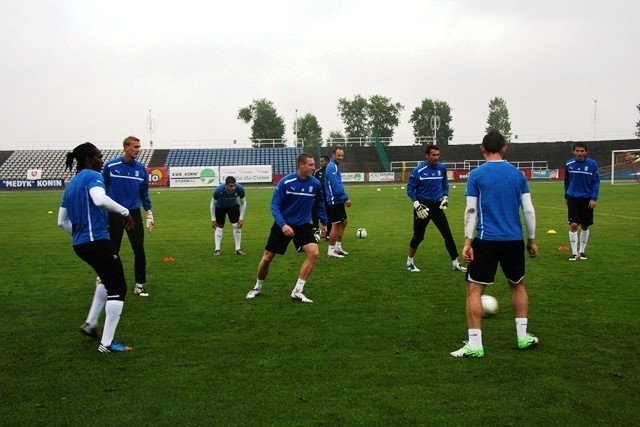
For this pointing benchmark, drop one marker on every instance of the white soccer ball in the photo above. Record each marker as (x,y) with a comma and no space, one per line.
(489,305)
(361,233)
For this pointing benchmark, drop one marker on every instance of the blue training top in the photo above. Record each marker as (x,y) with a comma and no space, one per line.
(333,187)
(581,179)
(127,183)
(428,183)
(88,220)
(224,199)
(293,199)
(499,187)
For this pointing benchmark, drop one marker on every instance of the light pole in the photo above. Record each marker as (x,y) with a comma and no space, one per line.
(151,127)
(295,129)
(435,124)
(595,117)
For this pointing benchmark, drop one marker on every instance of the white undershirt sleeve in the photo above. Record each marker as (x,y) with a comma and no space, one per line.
(212,209)
(100,198)
(529,215)
(63,220)
(243,207)
(470,216)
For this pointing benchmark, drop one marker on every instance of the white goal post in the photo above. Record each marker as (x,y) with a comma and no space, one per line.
(627,165)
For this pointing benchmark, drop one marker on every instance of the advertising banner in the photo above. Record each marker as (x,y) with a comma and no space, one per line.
(158,177)
(545,174)
(31,184)
(247,174)
(194,176)
(34,174)
(353,177)
(381,176)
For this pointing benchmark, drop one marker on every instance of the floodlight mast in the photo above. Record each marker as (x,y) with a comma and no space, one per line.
(151,127)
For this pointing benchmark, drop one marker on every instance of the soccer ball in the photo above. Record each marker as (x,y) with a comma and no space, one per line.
(361,233)
(489,305)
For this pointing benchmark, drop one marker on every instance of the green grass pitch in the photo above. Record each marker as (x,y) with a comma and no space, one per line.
(373,349)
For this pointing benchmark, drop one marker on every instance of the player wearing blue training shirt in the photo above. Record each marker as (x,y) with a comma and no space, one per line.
(82,214)
(225,203)
(294,197)
(337,200)
(127,183)
(495,193)
(581,188)
(428,189)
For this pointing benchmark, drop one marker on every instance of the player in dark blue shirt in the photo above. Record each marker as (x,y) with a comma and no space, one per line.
(581,188)
(337,200)
(294,197)
(225,203)
(428,189)
(82,214)
(496,191)
(127,183)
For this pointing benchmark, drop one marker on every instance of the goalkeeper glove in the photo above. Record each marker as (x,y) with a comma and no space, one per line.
(150,224)
(444,203)
(422,211)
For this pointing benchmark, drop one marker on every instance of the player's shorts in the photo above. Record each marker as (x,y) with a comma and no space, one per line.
(487,254)
(336,213)
(233,212)
(103,258)
(579,211)
(278,241)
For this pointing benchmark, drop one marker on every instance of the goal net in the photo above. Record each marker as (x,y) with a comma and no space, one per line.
(625,166)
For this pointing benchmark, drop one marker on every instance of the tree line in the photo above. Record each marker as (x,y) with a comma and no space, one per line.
(368,118)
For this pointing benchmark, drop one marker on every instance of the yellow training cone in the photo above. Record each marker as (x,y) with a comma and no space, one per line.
(50,212)
(551,232)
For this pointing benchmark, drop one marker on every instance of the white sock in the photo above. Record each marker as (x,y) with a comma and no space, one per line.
(299,285)
(573,238)
(521,326)
(97,305)
(584,238)
(339,246)
(113,309)
(259,284)
(237,235)
(409,260)
(475,338)
(218,237)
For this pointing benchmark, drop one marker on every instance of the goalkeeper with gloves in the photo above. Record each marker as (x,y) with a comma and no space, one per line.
(428,188)
(127,183)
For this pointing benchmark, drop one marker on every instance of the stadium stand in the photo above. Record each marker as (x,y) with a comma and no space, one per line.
(51,162)
(283,160)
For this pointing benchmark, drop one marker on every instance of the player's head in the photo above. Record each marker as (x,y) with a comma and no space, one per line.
(580,150)
(324,160)
(86,156)
(306,165)
(493,142)
(131,146)
(230,183)
(432,154)
(337,153)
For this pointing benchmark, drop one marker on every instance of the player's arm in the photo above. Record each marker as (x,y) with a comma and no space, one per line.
(63,220)
(100,199)
(530,223)
(146,201)
(243,209)
(470,219)
(212,209)
(595,188)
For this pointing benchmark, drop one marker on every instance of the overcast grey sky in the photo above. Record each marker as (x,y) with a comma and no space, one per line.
(78,70)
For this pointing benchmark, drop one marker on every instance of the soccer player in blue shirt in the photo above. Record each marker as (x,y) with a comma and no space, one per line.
(291,205)
(495,193)
(428,189)
(82,214)
(225,203)
(127,183)
(337,200)
(581,188)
